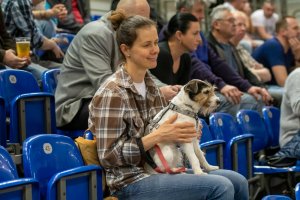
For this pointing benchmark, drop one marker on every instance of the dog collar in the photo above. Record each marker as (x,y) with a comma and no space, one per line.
(171,106)
(184,112)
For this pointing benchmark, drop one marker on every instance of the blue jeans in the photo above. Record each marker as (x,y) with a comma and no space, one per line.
(220,184)
(247,102)
(46,28)
(292,148)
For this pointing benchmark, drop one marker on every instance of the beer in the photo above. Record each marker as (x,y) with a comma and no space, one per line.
(23,47)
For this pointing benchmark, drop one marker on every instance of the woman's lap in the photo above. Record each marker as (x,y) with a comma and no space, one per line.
(219,184)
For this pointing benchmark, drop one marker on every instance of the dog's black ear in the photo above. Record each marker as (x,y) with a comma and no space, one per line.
(194,86)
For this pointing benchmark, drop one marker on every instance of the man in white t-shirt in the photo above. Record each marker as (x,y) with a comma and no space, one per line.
(264,21)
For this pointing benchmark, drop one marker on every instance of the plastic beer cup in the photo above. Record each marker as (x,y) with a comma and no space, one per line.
(23,47)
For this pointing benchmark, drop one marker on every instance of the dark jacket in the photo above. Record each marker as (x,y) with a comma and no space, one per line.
(6,42)
(243,71)
(164,69)
(217,72)
(70,23)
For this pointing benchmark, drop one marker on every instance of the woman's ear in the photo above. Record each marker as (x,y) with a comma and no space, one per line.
(178,35)
(124,49)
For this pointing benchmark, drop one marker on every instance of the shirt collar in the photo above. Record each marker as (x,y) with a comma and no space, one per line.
(124,80)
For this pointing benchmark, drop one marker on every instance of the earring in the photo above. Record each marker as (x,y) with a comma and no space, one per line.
(128,55)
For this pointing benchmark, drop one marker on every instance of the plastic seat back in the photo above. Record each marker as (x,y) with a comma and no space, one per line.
(31,114)
(271,116)
(8,169)
(206,134)
(49,80)
(2,123)
(238,151)
(11,186)
(95,17)
(250,122)
(67,37)
(297,191)
(47,154)
(16,82)
(223,126)
(213,148)
(276,197)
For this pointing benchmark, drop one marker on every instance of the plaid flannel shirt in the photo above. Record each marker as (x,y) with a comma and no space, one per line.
(19,21)
(119,116)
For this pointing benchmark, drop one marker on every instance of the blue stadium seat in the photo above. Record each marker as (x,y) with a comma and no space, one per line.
(212,147)
(15,82)
(271,116)
(297,191)
(55,161)
(95,17)
(2,123)
(30,111)
(11,186)
(250,121)
(49,80)
(276,197)
(68,37)
(238,150)
(31,114)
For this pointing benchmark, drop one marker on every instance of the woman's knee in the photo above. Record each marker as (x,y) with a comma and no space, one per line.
(224,189)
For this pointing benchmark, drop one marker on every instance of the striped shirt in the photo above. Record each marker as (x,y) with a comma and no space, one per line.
(119,116)
(19,21)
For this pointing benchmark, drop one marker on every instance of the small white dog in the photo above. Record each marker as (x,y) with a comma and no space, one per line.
(194,97)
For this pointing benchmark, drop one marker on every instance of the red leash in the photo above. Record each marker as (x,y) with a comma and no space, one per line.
(165,163)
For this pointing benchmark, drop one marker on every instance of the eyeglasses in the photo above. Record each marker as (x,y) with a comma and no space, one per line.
(230,20)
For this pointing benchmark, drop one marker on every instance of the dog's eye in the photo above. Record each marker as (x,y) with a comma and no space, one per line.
(206,92)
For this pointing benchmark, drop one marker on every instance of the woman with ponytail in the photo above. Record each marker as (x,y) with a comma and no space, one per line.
(120,111)
(181,37)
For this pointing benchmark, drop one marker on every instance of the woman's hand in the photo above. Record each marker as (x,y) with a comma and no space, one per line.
(181,132)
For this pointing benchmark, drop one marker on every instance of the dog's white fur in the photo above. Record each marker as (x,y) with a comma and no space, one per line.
(204,101)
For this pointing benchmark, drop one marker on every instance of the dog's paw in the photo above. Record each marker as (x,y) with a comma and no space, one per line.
(199,172)
(212,168)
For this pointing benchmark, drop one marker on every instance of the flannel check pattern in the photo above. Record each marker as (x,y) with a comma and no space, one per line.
(119,116)
(19,21)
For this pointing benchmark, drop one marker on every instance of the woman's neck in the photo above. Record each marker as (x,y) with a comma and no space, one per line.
(176,49)
(137,74)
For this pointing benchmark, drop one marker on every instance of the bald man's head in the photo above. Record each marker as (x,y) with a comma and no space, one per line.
(134,7)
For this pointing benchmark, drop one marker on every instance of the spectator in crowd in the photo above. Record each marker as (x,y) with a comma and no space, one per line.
(249,42)
(222,30)
(8,57)
(119,113)
(264,21)
(20,23)
(43,17)
(263,74)
(289,139)
(174,61)
(153,14)
(234,5)
(78,14)
(206,65)
(91,58)
(278,53)
(247,9)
